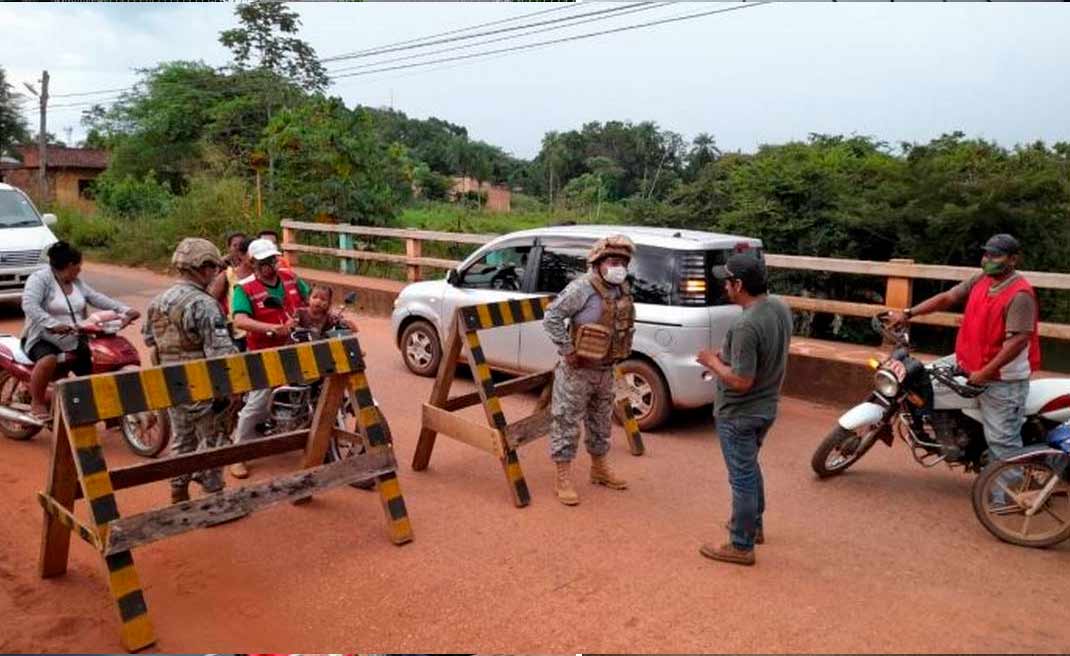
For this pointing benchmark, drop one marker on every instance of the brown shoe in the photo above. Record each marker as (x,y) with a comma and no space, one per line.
(566,492)
(759,536)
(728,553)
(239,470)
(602,474)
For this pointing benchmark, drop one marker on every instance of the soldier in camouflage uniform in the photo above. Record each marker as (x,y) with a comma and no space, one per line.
(591,321)
(186,323)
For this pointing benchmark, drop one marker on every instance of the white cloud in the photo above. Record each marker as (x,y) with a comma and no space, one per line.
(769,73)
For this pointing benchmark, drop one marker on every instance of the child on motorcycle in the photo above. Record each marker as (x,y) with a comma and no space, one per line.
(318,318)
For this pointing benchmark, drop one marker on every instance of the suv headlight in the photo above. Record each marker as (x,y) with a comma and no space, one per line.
(886,384)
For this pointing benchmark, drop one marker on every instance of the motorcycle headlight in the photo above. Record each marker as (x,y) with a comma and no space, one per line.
(886,384)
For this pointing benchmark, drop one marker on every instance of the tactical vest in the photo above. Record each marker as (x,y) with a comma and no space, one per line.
(608,339)
(172,342)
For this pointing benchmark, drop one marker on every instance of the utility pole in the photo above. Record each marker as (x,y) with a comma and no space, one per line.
(42,139)
(42,136)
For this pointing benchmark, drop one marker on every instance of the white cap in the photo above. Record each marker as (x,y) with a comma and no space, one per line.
(262,249)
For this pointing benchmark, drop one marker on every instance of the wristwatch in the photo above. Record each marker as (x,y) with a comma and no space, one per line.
(908,313)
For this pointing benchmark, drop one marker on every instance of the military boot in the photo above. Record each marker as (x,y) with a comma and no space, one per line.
(179,493)
(211,480)
(602,474)
(566,493)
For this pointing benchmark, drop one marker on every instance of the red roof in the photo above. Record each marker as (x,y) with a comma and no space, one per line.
(78,158)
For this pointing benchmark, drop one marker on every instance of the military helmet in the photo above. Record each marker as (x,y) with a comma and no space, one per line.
(194,252)
(612,245)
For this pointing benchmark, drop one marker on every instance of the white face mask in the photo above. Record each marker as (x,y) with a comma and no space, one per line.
(616,275)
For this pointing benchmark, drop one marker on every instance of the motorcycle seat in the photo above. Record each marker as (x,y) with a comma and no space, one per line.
(14,345)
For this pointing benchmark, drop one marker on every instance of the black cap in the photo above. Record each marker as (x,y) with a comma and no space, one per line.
(1002,244)
(742,266)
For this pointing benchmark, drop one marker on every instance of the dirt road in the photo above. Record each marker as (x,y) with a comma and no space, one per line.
(886,558)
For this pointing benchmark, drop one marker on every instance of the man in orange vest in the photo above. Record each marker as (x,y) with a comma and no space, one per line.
(267,325)
(998,344)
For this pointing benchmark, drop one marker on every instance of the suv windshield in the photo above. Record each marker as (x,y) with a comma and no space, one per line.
(16,211)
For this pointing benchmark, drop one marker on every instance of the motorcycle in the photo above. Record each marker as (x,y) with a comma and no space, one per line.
(903,387)
(146,434)
(293,406)
(1025,499)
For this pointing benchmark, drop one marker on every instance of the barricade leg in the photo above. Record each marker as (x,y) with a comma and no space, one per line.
(623,410)
(136,632)
(61,488)
(375,434)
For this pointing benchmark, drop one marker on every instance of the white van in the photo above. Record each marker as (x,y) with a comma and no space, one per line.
(679,307)
(24,240)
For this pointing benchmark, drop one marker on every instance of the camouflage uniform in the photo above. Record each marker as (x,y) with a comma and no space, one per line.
(585,393)
(185,323)
(582,395)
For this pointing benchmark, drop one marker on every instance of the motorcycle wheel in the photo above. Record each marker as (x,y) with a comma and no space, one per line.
(340,448)
(13,392)
(147,433)
(1004,491)
(842,448)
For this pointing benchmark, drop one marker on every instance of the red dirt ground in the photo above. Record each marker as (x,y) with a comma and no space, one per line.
(886,558)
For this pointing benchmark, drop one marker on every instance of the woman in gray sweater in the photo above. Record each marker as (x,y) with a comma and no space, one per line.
(54,301)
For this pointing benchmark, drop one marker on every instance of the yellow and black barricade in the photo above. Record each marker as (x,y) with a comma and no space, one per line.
(79,469)
(501,438)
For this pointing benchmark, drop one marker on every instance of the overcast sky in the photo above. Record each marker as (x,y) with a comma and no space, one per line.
(764,74)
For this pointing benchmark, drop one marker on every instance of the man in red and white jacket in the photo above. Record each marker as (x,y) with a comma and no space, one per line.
(268,325)
(998,344)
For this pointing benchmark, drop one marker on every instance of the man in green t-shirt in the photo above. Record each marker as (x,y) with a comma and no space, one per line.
(750,368)
(264,306)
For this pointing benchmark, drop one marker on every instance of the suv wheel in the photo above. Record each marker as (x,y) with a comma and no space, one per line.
(420,348)
(645,388)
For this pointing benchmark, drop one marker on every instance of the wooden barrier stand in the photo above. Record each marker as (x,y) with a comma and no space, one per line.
(500,438)
(79,470)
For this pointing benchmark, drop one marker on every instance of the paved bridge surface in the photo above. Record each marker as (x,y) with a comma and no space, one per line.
(888,557)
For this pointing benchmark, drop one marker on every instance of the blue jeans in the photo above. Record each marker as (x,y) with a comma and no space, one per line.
(1003,415)
(741,438)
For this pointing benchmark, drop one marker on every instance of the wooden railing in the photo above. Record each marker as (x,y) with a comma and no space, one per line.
(899,274)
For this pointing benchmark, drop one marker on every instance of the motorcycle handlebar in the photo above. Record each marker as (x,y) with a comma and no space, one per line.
(898,336)
(948,375)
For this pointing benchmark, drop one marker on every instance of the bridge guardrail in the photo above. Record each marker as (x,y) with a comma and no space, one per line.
(899,274)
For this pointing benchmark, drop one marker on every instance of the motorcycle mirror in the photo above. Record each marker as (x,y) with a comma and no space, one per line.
(350,298)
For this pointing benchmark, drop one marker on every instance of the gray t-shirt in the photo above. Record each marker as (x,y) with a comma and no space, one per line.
(756,346)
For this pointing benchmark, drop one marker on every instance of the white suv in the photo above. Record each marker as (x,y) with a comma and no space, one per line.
(679,307)
(25,239)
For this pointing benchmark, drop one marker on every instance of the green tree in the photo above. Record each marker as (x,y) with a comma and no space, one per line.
(703,151)
(266,35)
(14,129)
(331,163)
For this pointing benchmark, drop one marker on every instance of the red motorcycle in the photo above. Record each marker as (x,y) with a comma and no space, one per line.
(146,433)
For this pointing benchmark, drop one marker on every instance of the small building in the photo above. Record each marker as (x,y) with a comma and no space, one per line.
(499,197)
(69,172)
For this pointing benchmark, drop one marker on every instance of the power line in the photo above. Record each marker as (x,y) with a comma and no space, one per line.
(375,50)
(392,47)
(646,7)
(88,103)
(91,93)
(561,40)
(384,51)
